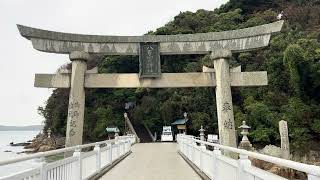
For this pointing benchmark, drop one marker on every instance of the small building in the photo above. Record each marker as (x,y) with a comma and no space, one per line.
(182,125)
(112,132)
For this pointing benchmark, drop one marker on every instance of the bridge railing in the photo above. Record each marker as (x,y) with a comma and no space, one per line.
(217,166)
(82,165)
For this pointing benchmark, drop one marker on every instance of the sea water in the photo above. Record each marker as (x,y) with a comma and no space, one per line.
(8,152)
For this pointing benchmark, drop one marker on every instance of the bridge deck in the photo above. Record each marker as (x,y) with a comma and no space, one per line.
(152,161)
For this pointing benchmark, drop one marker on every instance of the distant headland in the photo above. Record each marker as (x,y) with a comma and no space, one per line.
(21,128)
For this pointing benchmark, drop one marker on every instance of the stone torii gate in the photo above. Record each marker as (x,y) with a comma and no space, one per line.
(221,45)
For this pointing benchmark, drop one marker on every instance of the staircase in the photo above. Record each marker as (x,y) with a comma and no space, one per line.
(141,130)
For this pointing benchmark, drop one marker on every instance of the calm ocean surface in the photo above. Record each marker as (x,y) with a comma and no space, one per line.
(17,137)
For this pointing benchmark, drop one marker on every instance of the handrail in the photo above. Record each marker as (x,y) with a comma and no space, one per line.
(53,152)
(127,120)
(310,169)
(149,132)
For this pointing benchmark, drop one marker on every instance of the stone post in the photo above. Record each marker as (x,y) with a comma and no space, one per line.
(227,133)
(283,129)
(76,98)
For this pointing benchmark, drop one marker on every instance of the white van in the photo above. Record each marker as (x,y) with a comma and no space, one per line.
(166,134)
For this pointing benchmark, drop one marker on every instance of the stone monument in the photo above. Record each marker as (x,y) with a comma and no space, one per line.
(220,45)
(285,149)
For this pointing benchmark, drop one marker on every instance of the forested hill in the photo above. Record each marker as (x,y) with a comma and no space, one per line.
(292,61)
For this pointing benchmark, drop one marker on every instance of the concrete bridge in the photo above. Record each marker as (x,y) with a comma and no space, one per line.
(122,159)
(153,161)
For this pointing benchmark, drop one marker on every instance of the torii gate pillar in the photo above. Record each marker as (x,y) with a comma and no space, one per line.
(76,98)
(227,133)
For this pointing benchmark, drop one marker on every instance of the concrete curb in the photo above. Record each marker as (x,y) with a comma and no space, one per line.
(194,167)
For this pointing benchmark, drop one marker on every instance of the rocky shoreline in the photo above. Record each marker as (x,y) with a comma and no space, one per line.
(41,143)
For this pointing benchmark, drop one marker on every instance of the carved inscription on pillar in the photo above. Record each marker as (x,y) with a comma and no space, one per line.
(228,124)
(73,112)
(226,107)
(149,60)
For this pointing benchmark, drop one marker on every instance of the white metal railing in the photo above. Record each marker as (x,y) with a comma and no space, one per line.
(217,166)
(82,165)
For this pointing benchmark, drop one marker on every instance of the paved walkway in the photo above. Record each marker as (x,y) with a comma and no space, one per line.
(152,161)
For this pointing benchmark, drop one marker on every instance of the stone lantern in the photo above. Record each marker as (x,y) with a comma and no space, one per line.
(245,143)
(201,130)
(49,133)
(202,138)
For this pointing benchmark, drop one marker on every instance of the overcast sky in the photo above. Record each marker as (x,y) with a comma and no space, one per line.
(19,62)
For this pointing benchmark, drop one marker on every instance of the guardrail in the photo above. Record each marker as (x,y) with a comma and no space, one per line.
(217,166)
(82,165)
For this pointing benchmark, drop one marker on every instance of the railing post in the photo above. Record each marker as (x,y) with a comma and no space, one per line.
(127,146)
(78,171)
(190,149)
(120,148)
(98,157)
(183,143)
(216,153)
(194,146)
(244,162)
(116,143)
(200,158)
(202,148)
(109,145)
(313,177)
(123,147)
(43,171)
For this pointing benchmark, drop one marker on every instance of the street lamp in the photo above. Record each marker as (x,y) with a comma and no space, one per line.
(185,114)
(125,123)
